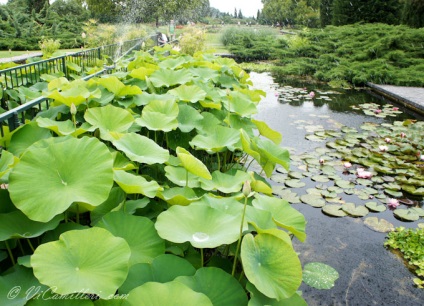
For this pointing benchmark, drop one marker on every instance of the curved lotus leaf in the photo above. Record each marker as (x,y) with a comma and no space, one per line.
(231,181)
(160,115)
(202,226)
(334,210)
(172,63)
(271,152)
(319,275)
(240,104)
(172,293)
(164,268)
(188,118)
(204,73)
(7,161)
(109,119)
(283,214)
(51,299)
(179,195)
(355,211)
(168,78)
(142,72)
(119,89)
(62,171)
(258,299)
(373,206)
(79,261)
(25,136)
(22,278)
(138,232)
(135,184)
(188,93)
(406,214)
(178,175)
(63,128)
(267,132)
(379,225)
(17,225)
(221,138)
(220,287)
(141,149)
(74,95)
(192,164)
(271,265)
(315,200)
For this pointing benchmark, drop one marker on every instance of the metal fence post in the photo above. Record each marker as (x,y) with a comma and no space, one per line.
(65,71)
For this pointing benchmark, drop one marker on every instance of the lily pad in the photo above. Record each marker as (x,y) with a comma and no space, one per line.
(406,214)
(320,178)
(319,275)
(378,225)
(294,183)
(355,211)
(374,206)
(334,210)
(314,200)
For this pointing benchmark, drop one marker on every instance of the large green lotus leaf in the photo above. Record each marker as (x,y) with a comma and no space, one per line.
(355,211)
(315,200)
(7,161)
(258,299)
(240,104)
(52,299)
(220,287)
(141,149)
(56,83)
(406,214)
(319,275)
(188,93)
(138,232)
(379,225)
(116,197)
(92,261)
(16,225)
(20,283)
(63,128)
(119,89)
(192,164)
(25,136)
(57,172)
(270,151)
(135,184)
(173,63)
(74,95)
(121,162)
(142,72)
(172,293)
(202,226)
(267,132)
(179,196)
(208,123)
(188,118)
(109,119)
(164,268)
(204,74)
(283,214)
(271,265)
(220,139)
(228,182)
(180,176)
(160,115)
(168,78)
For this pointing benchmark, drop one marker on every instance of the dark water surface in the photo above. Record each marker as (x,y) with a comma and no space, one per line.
(369,274)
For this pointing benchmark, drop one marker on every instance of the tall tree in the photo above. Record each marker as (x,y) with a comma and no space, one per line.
(413,13)
(235,12)
(258,15)
(326,12)
(240,15)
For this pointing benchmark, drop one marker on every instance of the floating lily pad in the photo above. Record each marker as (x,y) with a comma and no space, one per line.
(344,184)
(295,175)
(320,178)
(374,206)
(313,200)
(288,195)
(334,210)
(393,193)
(406,214)
(294,183)
(319,275)
(419,211)
(379,225)
(355,211)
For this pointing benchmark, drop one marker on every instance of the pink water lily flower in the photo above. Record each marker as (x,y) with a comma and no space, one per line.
(347,165)
(393,203)
(395,108)
(361,173)
(377,111)
(402,135)
(321,161)
(388,140)
(312,94)
(383,148)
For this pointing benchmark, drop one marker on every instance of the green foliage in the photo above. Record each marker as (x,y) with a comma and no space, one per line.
(410,242)
(48,46)
(192,41)
(413,13)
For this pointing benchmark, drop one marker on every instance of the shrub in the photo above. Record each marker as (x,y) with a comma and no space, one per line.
(48,46)
(193,40)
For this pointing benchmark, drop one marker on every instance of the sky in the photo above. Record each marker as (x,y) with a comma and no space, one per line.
(248,8)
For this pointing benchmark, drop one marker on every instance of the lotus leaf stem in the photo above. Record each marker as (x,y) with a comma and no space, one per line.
(186,178)
(201,258)
(10,253)
(20,247)
(30,245)
(219,161)
(240,236)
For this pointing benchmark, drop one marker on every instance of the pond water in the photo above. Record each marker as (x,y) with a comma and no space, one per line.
(369,274)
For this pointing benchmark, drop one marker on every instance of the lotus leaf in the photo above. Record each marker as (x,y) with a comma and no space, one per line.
(7,161)
(109,119)
(51,299)
(141,149)
(205,74)
(172,293)
(319,275)
(258,299)
(134,184)
(172,63)
(355,211)
(267,132)
(379,225)
(373,206)
(26,135)
(393,193)
(406,214)
(228,182)
(188,118)
(334,210)
(192,164)
(220,139)
(271,265)
(315,200)
(180,195)
(63,128)
(188,93)
(179,176)
(74,95)
(142,72)
(168,78)
(119,89)
(138,232)
(240,104)
(160,115)
(202,226)
(79,261)
(63,171)
(220,287)
(164,268)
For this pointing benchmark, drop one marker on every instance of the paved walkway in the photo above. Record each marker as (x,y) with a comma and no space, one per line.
(20,58)
(411,97)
